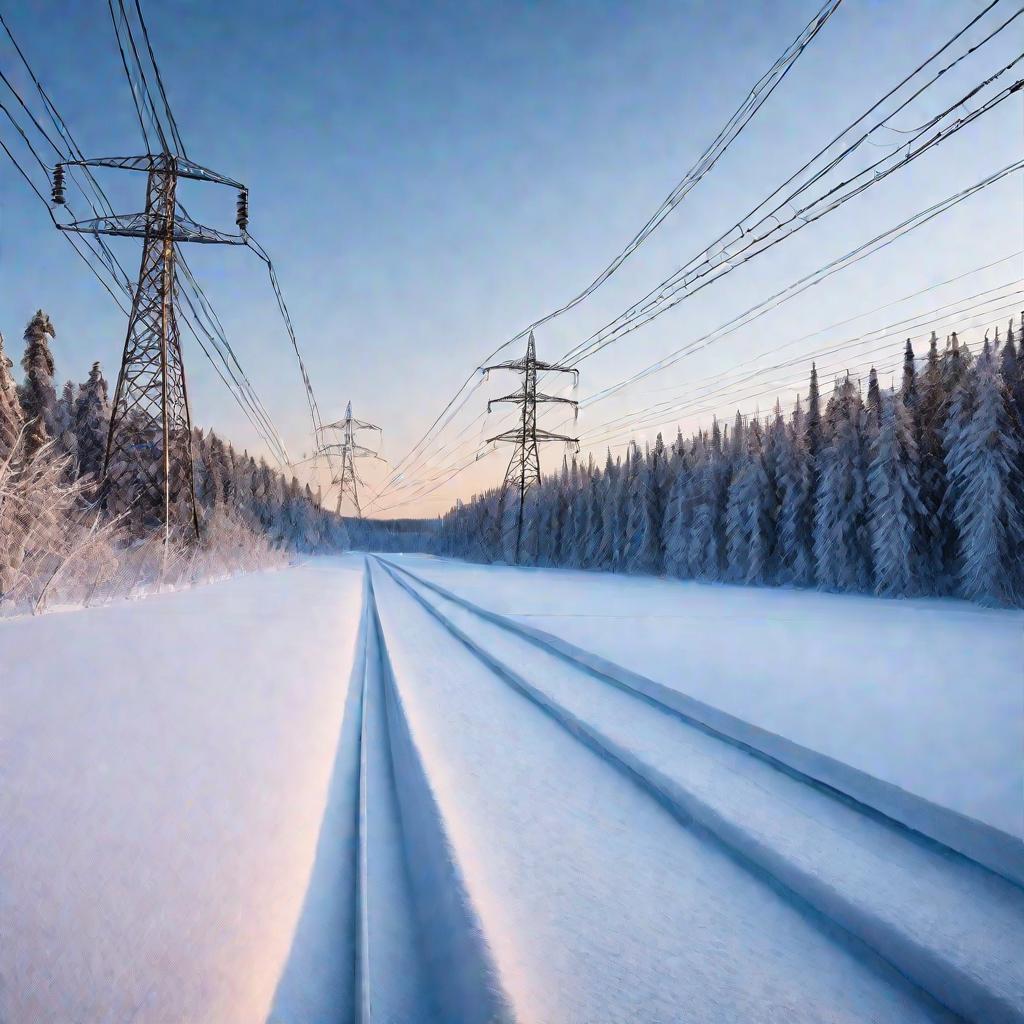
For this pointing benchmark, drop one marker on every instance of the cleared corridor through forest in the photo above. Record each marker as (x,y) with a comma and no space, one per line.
(397,788)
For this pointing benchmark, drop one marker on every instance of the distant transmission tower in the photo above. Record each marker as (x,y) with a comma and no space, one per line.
(346,449)
(148,461)
(524,467)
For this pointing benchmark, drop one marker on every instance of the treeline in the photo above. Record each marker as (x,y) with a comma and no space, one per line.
(914,490)
(393,535)
(72,427)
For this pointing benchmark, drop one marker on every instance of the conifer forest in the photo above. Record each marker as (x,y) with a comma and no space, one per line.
(902,491)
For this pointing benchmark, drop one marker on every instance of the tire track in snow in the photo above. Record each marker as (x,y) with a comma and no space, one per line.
(947,924)
(391,976)
(423,955)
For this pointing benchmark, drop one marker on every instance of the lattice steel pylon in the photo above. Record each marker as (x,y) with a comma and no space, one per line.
(346,479)
(147,468)
(524,466)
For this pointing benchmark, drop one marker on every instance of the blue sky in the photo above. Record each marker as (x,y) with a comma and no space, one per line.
(430,177)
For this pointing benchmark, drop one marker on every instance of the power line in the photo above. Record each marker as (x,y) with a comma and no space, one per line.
(718,260)
(664,414)
(757,96)
(113,266)
(647,308)
(131,83)
(159,79)
(314,409)
(445,474)
(861,252)
(875,309)
(241,390)
(724,380)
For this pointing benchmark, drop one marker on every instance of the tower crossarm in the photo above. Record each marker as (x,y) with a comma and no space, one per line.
(519,397)
(546,435)
(140,225)
(345,424)
(554,368)
(516,398)
(512,364)
(534,364)
(517,436)
(554,398)
(358,451)
(182,167)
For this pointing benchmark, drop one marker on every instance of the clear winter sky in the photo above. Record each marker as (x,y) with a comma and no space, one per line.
(431,176)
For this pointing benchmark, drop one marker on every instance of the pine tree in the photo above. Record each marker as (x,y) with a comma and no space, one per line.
(750,516)
(896,515)
(91,423)
(675,528)
(812,421)
(562,551)
(986,481)
(620,512)
(874,402)
(604,554)
(595,520)
(64,426)
(11,417)
(216,471)
(908,389)
(956,361)
(794,539)
(641,541)
(1012,369)
(661,482)
(532,542)
(841,537)
(929,421)
(38,395)
(579,514)
(707,549)
(547,524)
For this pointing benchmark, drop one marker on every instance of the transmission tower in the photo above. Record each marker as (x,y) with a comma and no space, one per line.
(524,466)
(347,451)
(148,462)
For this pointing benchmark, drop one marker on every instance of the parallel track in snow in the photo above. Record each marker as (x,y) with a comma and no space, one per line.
(474,727)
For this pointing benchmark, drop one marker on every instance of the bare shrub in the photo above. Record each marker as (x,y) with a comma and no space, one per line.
(49,532)
(57,548)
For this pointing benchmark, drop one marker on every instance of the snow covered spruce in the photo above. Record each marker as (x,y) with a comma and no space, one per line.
(59,544)
(917,490)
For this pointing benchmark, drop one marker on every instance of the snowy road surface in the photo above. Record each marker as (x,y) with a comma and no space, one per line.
(429,792)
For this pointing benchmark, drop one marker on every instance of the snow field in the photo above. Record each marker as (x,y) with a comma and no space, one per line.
(405,790)
(163,775)
(925,695)
(595,903)
(941,920)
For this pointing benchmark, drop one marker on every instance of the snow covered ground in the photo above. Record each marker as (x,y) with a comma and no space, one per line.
(164,767)
(927,695)
(429,791)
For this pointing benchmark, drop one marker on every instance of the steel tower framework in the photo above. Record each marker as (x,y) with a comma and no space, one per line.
(148,468)
(347,450)
(524,466)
